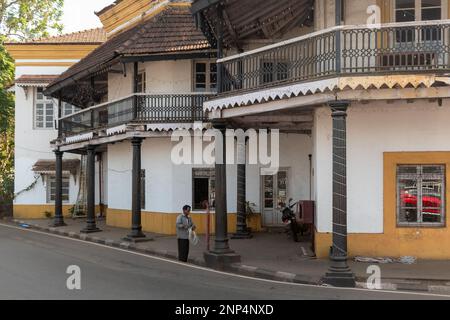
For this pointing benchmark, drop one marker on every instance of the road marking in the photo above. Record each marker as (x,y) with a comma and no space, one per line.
(222,272)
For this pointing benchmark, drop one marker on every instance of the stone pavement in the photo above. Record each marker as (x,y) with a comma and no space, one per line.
(269,256)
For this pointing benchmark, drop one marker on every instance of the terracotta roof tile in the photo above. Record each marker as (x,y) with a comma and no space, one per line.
(35,79)
(172,30)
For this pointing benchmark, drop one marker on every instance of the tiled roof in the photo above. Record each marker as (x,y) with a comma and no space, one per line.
(92,36)
(171,31)
(49,166)
(34,79)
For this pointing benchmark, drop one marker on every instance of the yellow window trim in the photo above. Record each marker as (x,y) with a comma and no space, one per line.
(391,161)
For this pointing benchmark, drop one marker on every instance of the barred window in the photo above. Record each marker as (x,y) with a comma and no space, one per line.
(421,195)
(51,188)
(43,111)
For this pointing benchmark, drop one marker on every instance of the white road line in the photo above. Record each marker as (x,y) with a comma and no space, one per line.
(221,272)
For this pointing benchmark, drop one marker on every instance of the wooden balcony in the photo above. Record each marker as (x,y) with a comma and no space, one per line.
(136,109)
(407,48)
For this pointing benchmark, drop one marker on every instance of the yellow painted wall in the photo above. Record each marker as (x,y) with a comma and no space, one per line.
(423,243)
(164,223)
(31,211)
(49,51)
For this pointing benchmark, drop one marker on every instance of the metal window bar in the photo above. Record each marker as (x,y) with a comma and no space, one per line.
(418,174)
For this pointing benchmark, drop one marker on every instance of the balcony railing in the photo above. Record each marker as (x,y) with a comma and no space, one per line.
(137,108)
(344,50)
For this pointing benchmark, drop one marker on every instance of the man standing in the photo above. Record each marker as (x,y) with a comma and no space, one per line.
(184,223)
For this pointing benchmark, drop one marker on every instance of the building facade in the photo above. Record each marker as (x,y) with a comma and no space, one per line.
(357,89)
(372,74)
(38,63)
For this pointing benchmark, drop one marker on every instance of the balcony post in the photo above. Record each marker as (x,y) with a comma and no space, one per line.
(339,274)
(59,219)
(136,234)
(59,114)
(241,226)
(222,255)
(219,28)
(91,226)
(338,8)
(135,89)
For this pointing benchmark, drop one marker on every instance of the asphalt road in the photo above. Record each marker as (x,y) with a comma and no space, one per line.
(33,266)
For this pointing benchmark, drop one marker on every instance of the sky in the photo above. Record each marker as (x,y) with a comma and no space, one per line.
(79,14)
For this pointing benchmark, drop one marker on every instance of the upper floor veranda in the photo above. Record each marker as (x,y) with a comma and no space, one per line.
(284,48)
(152,77)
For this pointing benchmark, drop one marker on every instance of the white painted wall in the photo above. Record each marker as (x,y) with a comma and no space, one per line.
(373,129)
(32,144)
(169,186)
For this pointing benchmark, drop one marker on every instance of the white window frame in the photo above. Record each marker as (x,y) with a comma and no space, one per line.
(142,82)
(52,177)
(207,75)
(72,108)
(45,101)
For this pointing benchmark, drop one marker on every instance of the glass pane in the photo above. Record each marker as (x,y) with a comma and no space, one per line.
(433,170)
(431,3)
(402,4)
(407,170)
(200,78)
(282,189)
(431,14)
(213,67)
(407,191)
(200,67)
(405,15)
(432,200)
(268,192)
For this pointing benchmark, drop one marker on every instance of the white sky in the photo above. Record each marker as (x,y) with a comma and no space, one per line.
(79,14)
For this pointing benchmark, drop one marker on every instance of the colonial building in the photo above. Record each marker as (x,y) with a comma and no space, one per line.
(147,80)
(38,63)
(373,77)
(358,89)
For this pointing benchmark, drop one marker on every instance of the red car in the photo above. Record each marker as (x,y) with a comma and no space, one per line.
(431,204)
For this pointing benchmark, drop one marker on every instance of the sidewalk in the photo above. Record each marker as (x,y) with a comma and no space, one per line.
(269,256)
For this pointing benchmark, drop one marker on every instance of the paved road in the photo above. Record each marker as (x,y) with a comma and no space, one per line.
(33,266)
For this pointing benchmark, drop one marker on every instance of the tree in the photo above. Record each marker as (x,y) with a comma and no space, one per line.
(19,20)
(28,19)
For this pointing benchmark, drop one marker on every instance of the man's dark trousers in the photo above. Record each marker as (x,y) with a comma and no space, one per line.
(183,250)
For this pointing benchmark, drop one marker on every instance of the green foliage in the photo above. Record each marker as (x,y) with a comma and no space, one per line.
(28,19)
(6,128)
(19,20)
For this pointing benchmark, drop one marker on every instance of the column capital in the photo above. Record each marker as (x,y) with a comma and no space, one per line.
(58,153)
(91,148)
(220,124)
(339,108)
(137,140)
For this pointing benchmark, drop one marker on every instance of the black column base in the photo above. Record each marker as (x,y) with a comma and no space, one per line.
(339,274)
(242,235)
(90,230)
(221,261)
(137,238)
(57,224)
